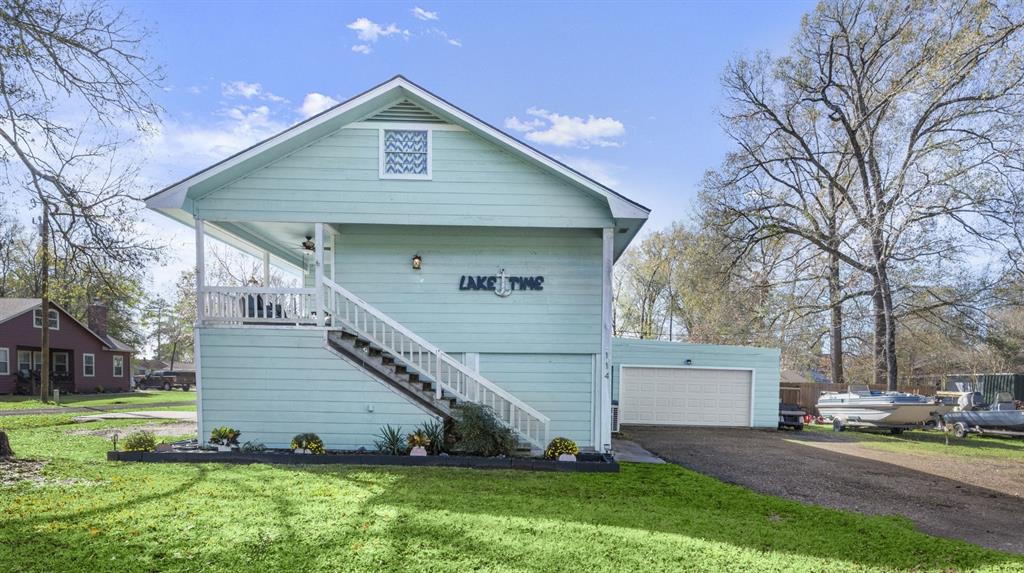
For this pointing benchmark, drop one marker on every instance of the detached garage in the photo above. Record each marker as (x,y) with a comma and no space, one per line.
(679,384)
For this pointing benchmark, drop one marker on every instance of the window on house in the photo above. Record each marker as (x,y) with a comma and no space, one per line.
(88,365)
(37,360)
(60,362)
(405,154)
(5,361)
(118,366)
(24,360)
(37,319)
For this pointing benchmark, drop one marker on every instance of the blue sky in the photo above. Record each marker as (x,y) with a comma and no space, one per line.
(627,92)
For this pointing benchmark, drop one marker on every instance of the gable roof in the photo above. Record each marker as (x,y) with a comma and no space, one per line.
(14,307)
(393,96)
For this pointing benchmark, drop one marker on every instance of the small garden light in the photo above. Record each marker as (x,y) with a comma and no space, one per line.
(417,262)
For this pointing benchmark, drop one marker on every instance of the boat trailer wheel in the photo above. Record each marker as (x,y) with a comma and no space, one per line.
(960,430)
(895,431)
(837,425)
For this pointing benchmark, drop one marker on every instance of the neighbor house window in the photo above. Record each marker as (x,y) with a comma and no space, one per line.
(24,360)
(405,153)
(37,319)
(88,365)
(37,360)
(118,366)
(60,362)
(5,361)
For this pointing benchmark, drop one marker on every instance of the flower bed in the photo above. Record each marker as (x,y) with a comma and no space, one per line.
(585,462)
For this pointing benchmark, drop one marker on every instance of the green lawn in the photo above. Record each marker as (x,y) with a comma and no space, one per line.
(934,442)
(85,400)
(96,516)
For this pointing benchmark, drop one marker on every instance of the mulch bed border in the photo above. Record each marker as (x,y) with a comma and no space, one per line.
(601,463)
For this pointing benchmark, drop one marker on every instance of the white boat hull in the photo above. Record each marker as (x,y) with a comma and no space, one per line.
(883,414)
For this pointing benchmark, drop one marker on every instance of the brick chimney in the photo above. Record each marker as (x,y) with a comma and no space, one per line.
(97,317)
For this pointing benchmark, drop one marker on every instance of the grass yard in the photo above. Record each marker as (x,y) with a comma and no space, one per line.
(934,442)
(86,400)
(88,515)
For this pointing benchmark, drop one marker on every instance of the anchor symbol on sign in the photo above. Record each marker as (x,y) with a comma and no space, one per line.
(503,287)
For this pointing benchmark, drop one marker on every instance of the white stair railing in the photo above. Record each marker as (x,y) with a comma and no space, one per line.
(428,361)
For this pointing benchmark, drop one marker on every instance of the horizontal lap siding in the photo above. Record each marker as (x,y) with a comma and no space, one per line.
(336,180)
(564,317)
(560,386)
(764,361)
(272,384)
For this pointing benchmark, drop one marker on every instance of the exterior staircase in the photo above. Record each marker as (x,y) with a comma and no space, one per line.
(417,369)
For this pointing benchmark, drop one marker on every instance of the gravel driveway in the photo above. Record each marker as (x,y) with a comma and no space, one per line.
(977,500)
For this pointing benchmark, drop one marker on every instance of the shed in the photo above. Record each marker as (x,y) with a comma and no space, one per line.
(680,384)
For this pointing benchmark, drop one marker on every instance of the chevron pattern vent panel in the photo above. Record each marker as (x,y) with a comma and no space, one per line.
(405,152)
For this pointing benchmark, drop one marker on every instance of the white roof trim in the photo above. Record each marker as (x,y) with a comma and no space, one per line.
(174,196)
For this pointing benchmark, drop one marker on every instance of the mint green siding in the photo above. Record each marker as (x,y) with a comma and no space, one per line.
(764,361)
(336,180)
(563,318)
(272,384)
(559,385)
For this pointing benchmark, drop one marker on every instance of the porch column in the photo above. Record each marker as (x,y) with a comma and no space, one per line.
(319,285)
(266,269)
(200,269)
(604,440)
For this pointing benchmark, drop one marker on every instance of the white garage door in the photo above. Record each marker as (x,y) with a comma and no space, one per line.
(684,396)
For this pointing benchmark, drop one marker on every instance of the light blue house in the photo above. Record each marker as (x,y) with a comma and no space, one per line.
(443,261)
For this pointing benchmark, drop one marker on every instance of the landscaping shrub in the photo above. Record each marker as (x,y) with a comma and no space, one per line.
(253,447)
(417,439)
(391,441)
(141,441)
(434,431)
(308,441)
(559,446)
(480,433)
(224,436)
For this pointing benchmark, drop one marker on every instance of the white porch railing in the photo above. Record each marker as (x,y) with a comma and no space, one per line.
(431,362)
(257,305)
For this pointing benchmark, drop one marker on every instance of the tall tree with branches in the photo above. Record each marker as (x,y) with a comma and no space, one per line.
(908,114)
(74,90)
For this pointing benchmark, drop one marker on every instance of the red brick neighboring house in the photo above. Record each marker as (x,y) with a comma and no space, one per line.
(82,357)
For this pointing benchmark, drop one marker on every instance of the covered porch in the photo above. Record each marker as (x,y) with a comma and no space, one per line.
(289,288)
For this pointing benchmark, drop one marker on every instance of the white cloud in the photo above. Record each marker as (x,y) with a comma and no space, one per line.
(315,103)
(196,90)
(421,14)
(369,31)
(455,42)
(362,49)
(516,124)
(239,88)
(552,128)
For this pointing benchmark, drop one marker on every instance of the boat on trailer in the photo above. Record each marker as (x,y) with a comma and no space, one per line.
(862,407)
(973,416)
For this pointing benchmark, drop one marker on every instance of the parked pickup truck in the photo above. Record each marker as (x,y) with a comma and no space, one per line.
(167,380)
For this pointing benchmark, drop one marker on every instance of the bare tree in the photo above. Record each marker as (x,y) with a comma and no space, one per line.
(906,115)
(60,60)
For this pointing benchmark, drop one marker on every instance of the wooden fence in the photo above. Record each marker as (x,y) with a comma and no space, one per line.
(806,395)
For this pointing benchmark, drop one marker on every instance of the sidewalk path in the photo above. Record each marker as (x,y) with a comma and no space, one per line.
(86,409)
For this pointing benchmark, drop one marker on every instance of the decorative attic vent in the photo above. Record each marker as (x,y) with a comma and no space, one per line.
(406,111)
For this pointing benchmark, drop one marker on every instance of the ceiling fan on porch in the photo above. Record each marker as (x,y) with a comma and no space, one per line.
(308,245)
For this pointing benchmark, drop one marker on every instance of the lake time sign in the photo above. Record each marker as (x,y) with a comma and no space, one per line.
(502,284)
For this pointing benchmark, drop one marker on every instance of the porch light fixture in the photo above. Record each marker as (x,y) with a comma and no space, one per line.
(417,262)
(308,244)
(688,362)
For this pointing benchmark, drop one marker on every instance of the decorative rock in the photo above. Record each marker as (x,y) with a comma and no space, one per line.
(418,451)
(566,458)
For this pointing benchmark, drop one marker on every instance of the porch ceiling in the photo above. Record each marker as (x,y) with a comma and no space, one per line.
(282,240)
